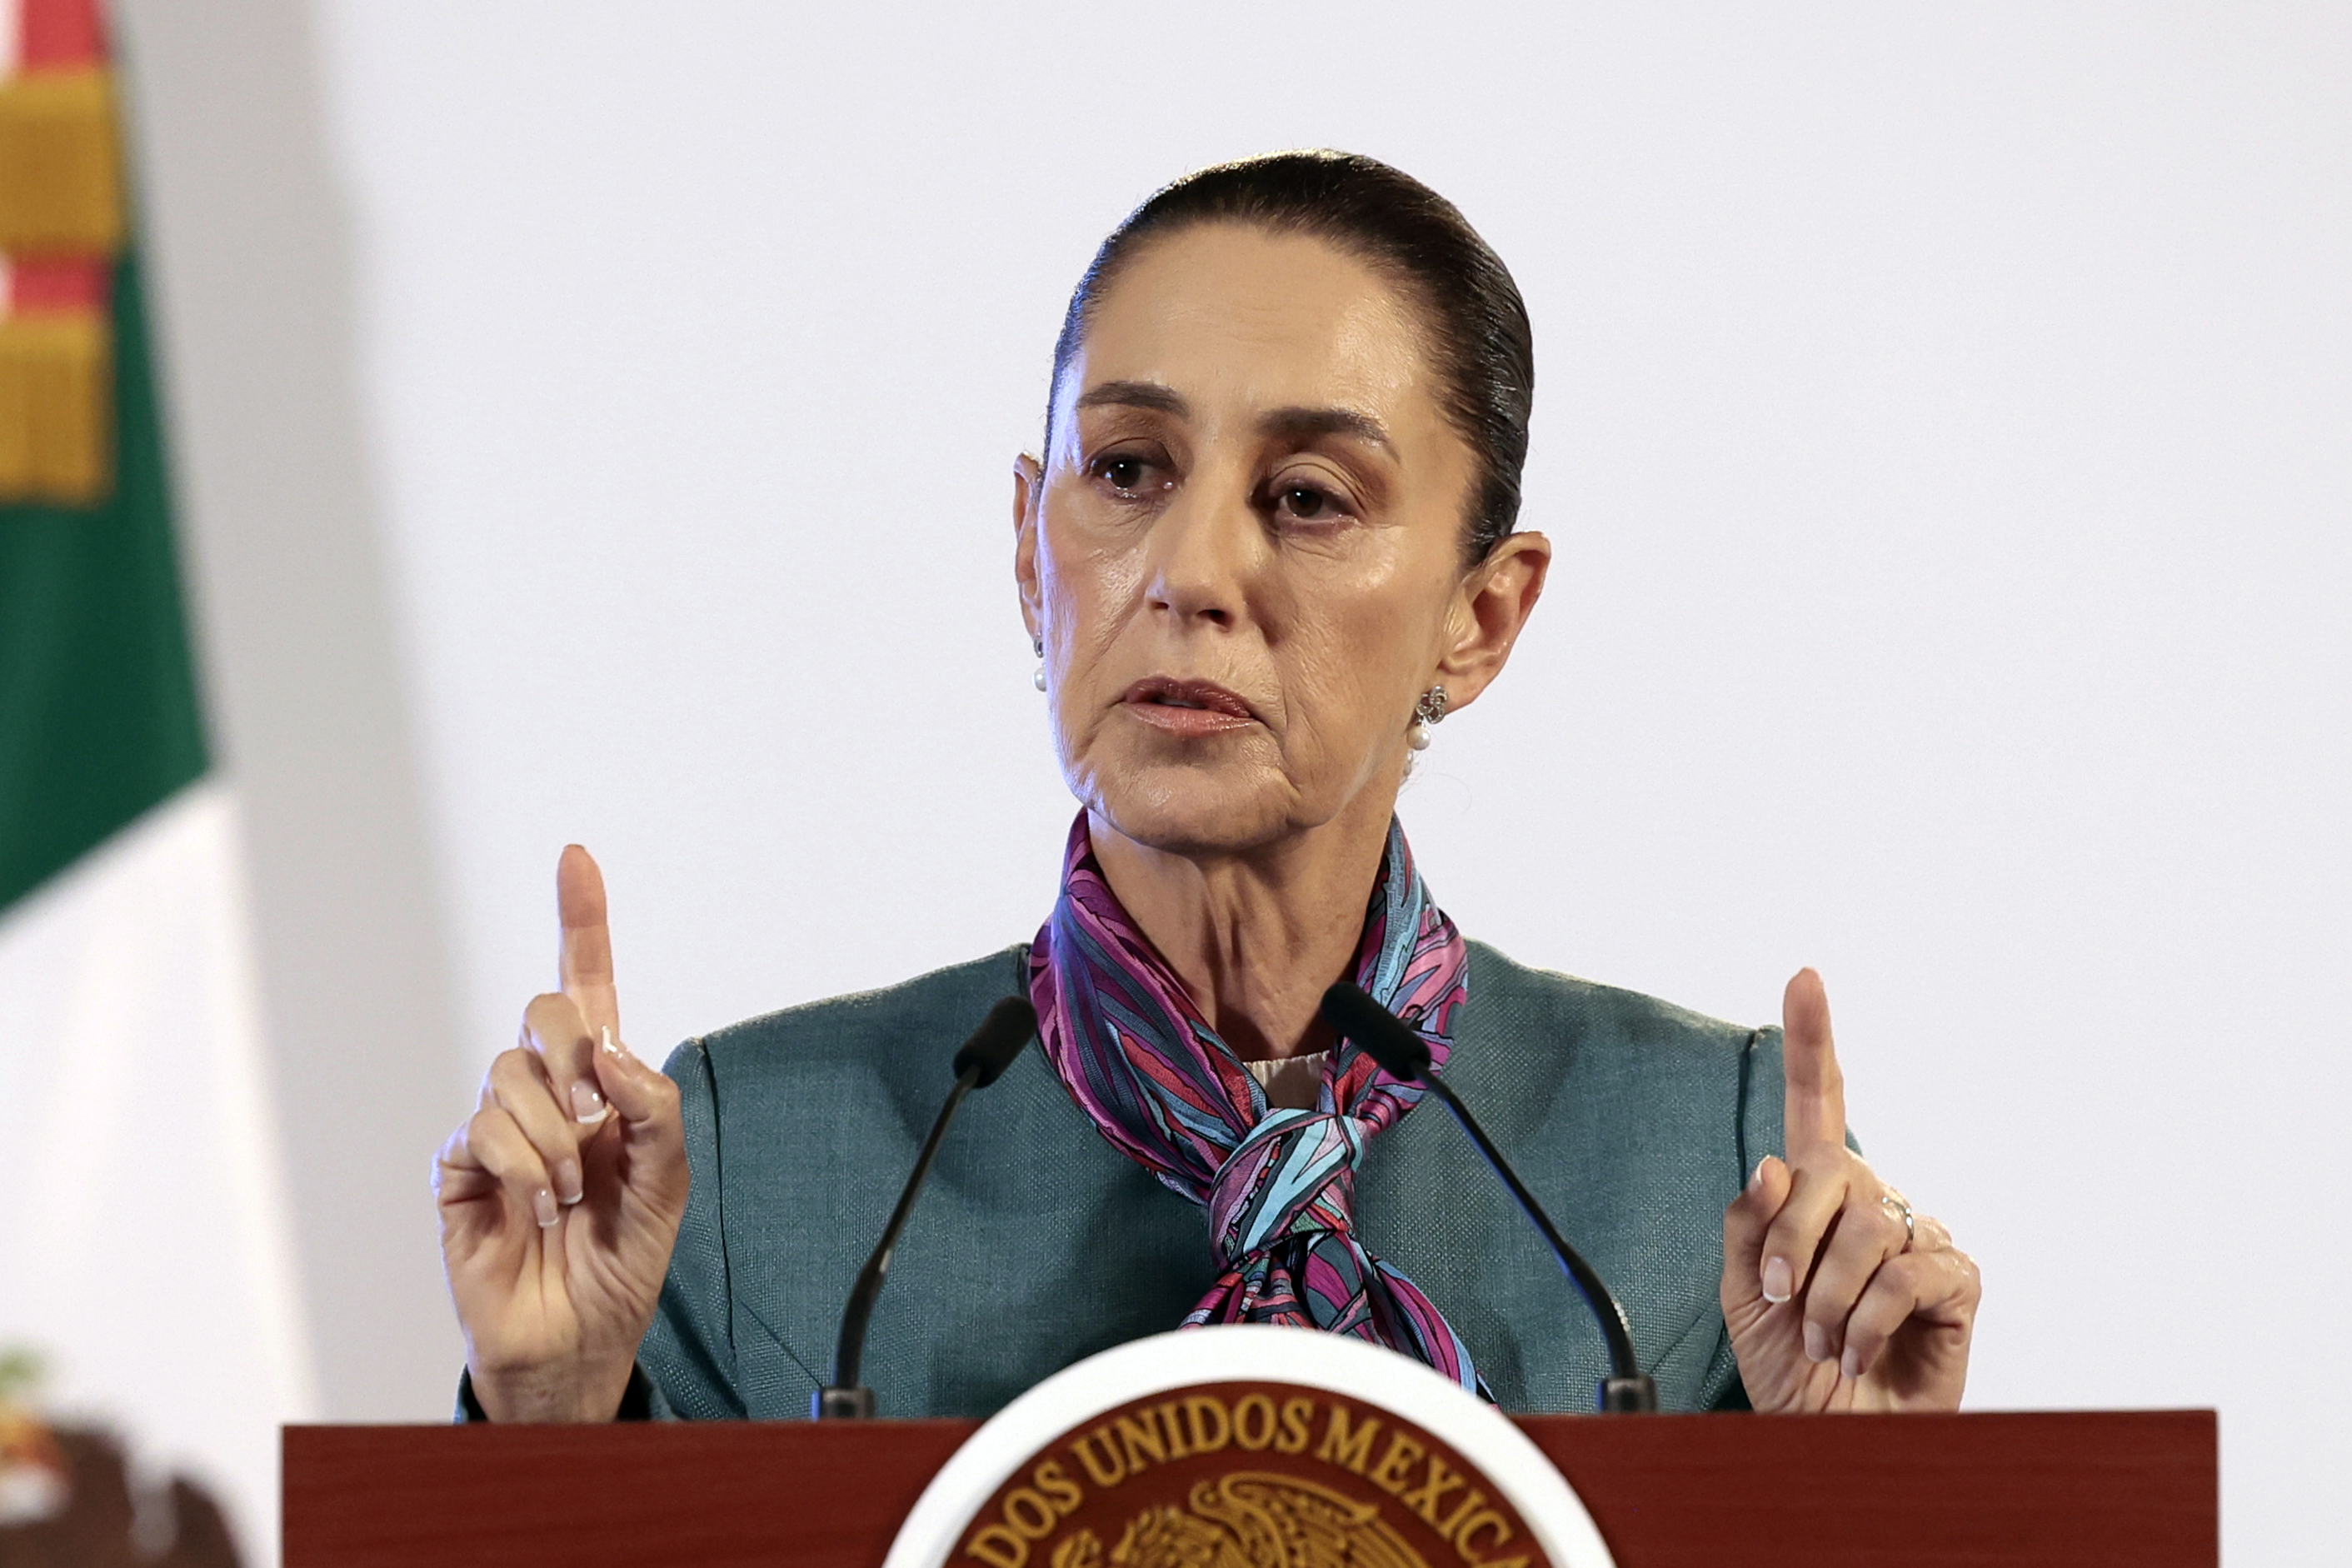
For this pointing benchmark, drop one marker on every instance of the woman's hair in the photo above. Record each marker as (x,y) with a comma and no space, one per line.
(1477,325)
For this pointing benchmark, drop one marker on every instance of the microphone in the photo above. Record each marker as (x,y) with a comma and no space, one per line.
(1404,1056)
(982,1061)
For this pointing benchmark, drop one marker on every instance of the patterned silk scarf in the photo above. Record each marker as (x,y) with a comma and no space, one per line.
(1278,1184)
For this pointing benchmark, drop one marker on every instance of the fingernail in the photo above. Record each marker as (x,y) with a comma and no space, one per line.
(1778,1284)
(1817,1343)
(1756,1176)
(614,1046)
(1850,1363)
(542,1204)
(567,1184)
(587,1103)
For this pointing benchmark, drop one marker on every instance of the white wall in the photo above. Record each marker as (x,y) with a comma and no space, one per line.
(252,272)
(1944,418)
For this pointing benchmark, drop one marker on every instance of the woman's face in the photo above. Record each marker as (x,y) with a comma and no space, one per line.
(1244,546)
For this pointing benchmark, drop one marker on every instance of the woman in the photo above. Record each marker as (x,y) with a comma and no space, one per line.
(1267,547)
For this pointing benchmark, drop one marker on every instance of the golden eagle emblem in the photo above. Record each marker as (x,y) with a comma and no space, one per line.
(1250,1519)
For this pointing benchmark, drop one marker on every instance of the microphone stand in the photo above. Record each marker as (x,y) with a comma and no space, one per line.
(999,1039)
(1403,1054)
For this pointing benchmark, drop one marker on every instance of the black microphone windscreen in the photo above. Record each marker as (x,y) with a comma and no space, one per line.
(1000,1038)
(1402,1055)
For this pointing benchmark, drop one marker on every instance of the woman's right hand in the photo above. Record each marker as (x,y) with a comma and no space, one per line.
(560,1199)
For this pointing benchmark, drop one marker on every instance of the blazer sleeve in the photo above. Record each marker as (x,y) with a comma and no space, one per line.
(689,1350)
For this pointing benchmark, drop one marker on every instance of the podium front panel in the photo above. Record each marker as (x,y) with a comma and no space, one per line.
(2075,1489)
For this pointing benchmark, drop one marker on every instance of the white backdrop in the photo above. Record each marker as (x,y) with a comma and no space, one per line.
(1944,418)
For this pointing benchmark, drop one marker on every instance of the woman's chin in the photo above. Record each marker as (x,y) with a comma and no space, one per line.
(1197,810)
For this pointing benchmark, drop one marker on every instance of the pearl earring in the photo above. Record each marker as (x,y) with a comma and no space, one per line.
(1038,679)
(1427,714)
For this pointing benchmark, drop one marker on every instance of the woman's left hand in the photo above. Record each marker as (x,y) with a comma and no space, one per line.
(1838,1297)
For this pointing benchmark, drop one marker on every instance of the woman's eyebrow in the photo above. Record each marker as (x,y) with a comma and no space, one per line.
(1136,394)
(1305,424)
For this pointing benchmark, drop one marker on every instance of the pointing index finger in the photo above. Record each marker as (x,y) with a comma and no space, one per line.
(585,960)
(1814,1111)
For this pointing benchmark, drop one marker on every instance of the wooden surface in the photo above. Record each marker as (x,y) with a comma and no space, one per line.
(1952,1491)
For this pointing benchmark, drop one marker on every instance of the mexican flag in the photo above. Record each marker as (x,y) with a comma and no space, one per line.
(144,1249)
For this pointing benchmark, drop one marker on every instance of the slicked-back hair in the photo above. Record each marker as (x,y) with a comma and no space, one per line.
(1476,324)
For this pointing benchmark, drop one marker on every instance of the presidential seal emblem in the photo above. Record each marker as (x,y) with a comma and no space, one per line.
(1248,1446)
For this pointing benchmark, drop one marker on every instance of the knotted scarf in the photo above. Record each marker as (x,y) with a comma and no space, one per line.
(1278,1184)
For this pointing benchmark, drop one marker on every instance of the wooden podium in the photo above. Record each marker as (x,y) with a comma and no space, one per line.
(1756,1491)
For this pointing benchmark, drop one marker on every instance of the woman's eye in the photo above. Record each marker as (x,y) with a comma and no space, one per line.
(1307,503)
(1128,472)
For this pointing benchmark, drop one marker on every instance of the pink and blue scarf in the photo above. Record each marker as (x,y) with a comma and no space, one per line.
(1278,1184)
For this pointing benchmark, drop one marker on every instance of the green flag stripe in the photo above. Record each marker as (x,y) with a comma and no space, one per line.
(99,717)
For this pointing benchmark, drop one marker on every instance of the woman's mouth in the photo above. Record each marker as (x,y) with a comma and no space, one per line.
(1187,708)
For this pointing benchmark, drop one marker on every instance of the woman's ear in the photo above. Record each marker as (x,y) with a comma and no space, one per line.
(1498,597)
(1028,500)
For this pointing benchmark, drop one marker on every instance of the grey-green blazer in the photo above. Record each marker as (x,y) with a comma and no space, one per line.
(1037,1243)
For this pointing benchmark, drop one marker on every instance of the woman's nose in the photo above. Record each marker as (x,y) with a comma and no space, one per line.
(1202,550)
